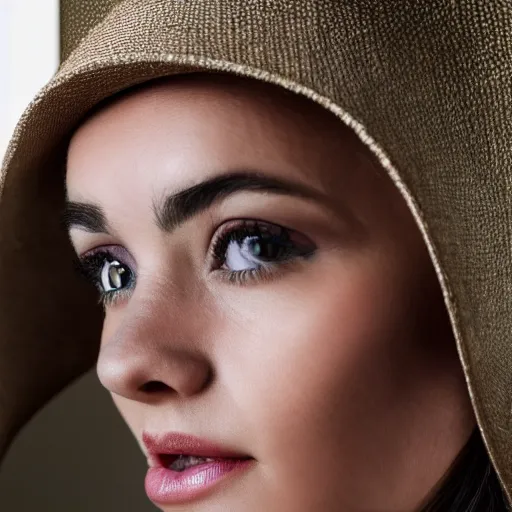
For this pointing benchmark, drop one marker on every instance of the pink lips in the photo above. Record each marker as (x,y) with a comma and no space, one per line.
(167,486)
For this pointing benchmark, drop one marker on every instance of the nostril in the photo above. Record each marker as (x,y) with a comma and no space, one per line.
(154,386)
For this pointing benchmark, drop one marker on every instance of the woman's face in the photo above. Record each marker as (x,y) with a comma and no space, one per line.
(266,290)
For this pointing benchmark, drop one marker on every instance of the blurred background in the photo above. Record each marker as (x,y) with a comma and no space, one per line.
(76,455)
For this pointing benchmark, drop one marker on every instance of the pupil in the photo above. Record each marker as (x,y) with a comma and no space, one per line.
(265,249)
(115,275)
(255,248)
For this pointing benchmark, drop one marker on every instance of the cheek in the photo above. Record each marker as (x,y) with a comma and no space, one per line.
(310,366)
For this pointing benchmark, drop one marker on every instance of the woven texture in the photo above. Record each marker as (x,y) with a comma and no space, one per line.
(77,17)
(427,86)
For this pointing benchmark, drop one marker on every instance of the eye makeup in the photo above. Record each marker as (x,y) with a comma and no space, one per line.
(241,252)
(107,269)
(250,250)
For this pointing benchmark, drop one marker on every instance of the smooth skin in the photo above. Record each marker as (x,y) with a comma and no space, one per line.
(335,367)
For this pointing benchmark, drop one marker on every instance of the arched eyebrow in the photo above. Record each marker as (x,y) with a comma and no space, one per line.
(86,216)
(173,210)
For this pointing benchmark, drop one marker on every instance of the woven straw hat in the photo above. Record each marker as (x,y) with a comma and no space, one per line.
(426,86)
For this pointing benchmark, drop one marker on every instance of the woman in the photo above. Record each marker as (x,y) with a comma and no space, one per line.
(304,268)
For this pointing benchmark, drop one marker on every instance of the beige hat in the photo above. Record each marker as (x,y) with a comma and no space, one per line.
(427,86)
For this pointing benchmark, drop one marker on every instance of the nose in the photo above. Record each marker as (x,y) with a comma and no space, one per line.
(150,358)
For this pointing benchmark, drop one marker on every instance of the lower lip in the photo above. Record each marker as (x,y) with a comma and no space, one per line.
(167,487)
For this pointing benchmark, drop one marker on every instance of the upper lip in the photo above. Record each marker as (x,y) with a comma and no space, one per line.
(160,446)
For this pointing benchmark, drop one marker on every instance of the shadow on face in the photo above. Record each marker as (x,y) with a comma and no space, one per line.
(267,289)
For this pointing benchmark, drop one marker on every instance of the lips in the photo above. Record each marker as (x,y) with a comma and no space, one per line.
(184,468)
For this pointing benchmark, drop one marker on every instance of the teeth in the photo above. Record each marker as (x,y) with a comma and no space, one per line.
(187,461)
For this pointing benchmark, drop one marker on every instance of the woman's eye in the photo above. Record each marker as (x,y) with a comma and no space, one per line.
(107,273)
(252,251)
(252,246)
(114,276)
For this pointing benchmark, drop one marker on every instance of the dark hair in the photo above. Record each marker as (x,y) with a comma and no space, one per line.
(471,485)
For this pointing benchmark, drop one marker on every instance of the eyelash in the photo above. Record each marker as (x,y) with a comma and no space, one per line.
(239,230)
(92,264)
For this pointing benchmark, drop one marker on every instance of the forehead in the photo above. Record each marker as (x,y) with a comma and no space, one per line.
(183,129)
(202,100)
